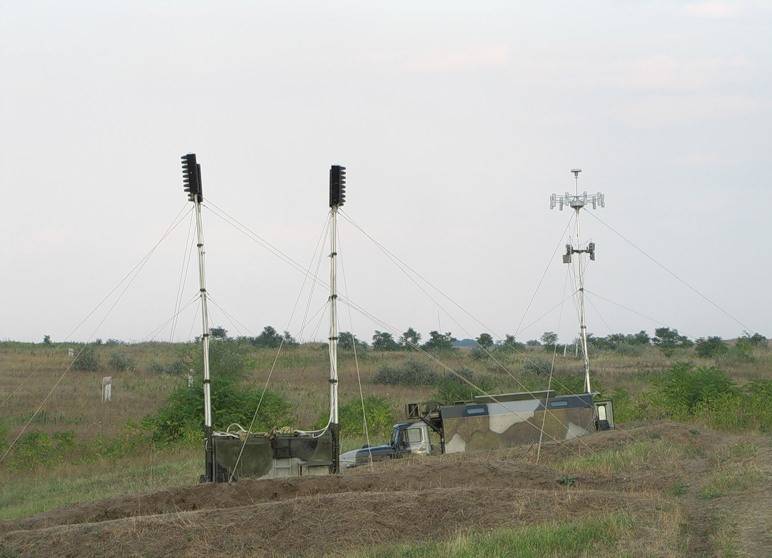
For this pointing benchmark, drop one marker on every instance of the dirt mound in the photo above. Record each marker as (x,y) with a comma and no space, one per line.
(318,525)
(398,501)
(482,472)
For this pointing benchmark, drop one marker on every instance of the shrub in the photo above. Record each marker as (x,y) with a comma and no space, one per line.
(685,386)
(86,359)
(745,409)
(120,362)
(451,388)
(409,373)
(183,413)
(379,413)
(35,448)
(537,366)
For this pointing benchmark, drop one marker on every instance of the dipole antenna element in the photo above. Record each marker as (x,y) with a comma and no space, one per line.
(577,201)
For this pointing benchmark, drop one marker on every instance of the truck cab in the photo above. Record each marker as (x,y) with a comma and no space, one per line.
(407,438)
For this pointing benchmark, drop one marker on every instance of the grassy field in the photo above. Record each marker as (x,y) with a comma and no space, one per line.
(80,449)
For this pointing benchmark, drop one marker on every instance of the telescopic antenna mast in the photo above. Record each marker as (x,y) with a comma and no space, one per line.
(337,199)
(577,201)
(191,176)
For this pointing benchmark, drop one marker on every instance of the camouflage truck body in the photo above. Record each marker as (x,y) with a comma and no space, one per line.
(489,423)
(272,455)
(501,423)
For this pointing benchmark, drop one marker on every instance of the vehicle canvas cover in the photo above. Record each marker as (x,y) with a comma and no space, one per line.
(485,426)
(272,455)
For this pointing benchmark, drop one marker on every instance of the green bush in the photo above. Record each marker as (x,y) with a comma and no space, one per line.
(685,386)
(537,366)
(183,414)
(86,359)
(451,388)
(36,448)
(409,373)
(120,362)
(380,418)
(745,409)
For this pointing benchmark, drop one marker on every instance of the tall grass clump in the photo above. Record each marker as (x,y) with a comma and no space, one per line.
(566,538)
(408,373)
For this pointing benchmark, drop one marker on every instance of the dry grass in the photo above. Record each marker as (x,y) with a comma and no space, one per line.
(684,475)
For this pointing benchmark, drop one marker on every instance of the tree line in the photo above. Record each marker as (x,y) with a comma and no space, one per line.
(665,338)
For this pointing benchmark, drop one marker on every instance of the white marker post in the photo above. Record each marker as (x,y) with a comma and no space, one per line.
(107,389)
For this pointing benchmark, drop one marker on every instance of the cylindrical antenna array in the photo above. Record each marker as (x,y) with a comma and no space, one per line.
(191,178)
(337,199)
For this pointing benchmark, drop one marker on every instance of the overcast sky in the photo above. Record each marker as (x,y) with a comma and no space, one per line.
(456,121)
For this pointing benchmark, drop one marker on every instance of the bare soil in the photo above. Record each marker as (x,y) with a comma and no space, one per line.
(402,501)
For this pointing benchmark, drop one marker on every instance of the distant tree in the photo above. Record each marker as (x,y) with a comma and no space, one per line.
(97,341)
(411,338)
(511,344)
(439,341)
(485,340)
(549,339)
(640,338)
(711,347)
(384,341)
(46,339)
(755,340)
(669,339)
(346,341)
(218,332)
(268,338)
(289,341)
(604,343)
(533,343)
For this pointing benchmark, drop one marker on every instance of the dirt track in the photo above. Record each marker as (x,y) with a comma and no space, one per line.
(397,501)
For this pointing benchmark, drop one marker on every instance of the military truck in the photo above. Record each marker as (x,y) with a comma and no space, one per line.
(489,422)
